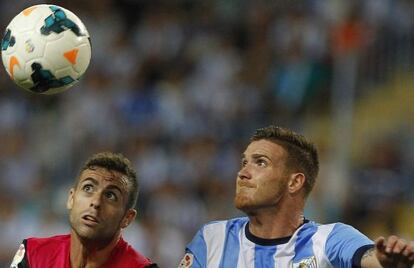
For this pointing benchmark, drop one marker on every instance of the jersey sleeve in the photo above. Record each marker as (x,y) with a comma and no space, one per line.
(20,258)
(343,243)
(196,251)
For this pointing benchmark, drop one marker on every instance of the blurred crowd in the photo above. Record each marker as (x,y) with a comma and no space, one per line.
(179,86)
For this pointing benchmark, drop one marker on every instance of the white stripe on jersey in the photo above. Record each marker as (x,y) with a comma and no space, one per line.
(246,254)
(214,235)
(285,252)
(319,243)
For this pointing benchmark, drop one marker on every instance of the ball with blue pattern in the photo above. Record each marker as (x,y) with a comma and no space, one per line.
(46,49)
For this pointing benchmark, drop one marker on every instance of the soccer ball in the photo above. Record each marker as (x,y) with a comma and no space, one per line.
(46,49)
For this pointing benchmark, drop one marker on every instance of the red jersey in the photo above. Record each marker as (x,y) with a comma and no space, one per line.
(53,252)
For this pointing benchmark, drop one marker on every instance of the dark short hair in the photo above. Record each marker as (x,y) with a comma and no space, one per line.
(115,162)
(302,155)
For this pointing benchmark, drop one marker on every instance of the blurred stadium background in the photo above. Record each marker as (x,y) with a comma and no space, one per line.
(179,86)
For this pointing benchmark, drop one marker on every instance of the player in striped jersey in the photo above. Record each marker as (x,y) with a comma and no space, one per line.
(278,172)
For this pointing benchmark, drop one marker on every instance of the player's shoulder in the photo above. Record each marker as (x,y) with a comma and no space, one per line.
(223,223)
(337,225)
(42,250)
(130,256)
(48,241)
(327,225)
(339,229)
(328,228)
(220,227)
(238,220)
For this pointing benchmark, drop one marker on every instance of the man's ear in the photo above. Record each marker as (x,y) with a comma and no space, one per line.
(128,218)
(69,202)
(296,182)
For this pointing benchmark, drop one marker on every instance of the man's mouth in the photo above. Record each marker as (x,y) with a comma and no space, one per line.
(241,184)
(90,220)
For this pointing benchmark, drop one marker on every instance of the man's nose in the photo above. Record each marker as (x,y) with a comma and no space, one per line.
(96,201)
(244,173)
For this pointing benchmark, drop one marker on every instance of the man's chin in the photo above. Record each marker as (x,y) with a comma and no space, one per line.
(243,203)
(87,234)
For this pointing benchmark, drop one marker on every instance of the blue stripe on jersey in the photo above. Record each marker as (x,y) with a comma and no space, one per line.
(332,245)
(199,248)
(232,243)
(264,256)
(342,243)
(304,244)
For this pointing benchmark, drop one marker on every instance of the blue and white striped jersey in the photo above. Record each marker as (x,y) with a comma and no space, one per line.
(229,244)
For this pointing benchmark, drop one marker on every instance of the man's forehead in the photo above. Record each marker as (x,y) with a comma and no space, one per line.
(264,147)
(108,176)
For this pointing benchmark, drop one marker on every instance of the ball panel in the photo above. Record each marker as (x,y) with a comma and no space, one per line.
(44,79)
(83,58)
(25,83)
(8,40)
(15,68)
(80,25)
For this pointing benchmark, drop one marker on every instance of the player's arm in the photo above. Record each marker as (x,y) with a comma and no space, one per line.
(195,252)
(393,252)
(189,261)
(20,258)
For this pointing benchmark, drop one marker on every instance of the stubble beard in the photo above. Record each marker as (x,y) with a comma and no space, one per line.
(251,207)
(242,202)
(251,204)
(95,237)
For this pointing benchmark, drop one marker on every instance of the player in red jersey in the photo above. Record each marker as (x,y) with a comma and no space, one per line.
(100,204)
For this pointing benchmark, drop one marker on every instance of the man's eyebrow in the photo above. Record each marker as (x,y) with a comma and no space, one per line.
(256,156)
(94,181)
(114,187)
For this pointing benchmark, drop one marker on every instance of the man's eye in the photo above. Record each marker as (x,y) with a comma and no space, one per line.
(111,196)
(261,163)
(243,163)
(87,188)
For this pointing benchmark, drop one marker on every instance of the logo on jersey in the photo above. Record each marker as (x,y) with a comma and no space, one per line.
(306,263)
(18,257)
(187,261)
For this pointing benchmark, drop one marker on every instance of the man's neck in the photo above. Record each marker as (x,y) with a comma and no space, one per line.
(271,223)
(89,255)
